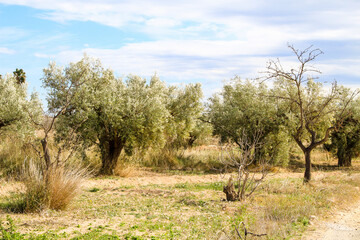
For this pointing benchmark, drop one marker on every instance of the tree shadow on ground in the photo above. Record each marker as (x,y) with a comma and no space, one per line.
(297,164)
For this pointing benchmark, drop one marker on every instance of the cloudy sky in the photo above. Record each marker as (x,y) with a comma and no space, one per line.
(183,41)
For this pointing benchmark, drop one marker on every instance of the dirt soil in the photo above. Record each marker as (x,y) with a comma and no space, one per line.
(344,225)
(341,225)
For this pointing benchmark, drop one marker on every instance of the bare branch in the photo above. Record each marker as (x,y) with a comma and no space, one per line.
(242,158)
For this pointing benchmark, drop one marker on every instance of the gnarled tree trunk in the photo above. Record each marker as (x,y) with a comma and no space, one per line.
(110,152)
(344,159)
(230,192)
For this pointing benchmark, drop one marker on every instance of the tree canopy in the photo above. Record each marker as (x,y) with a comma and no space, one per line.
(15,105)
(118,114)
(185,108)
(242,108)
(345,140)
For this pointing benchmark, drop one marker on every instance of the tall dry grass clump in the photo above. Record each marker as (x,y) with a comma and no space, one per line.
(63,186)
(13,150)
(53,188)
(35,196)
(125,170)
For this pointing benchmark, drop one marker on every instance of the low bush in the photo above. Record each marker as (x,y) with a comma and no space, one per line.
(54,188)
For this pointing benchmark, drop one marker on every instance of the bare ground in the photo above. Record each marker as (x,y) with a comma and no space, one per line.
(344,225)
(341,225)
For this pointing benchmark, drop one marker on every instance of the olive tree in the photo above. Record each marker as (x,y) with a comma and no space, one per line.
(12,100)
(15,103)
(49,180)
(184,111)
(345,141)
(15,125)
(109,112)
(311,110)
(241,108)
(200,133)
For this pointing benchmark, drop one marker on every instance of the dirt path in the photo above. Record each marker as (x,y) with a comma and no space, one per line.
(343,225)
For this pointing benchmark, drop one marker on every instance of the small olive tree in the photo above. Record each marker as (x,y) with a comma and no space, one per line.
(13,102)
(184,111)
(15,124)
(345,140)
(240,109)
(201,133)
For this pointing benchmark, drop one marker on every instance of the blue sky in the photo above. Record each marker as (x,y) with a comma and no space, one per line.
(182,41)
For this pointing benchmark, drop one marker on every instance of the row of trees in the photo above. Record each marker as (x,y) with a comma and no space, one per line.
(90,106)
(297,107)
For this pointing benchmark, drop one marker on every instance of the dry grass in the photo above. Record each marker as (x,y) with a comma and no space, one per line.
(165,206)
(47,189)
(12,153)
(35,197)
(63,186)
(287,205)
(320,156)
(162,158)
(197,159)
(125,170)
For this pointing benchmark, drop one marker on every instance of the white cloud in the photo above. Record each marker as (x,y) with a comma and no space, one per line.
(341,66)
(162,22)
(4,50)
(296,19)
(258,27)
(184,59)
(206,40)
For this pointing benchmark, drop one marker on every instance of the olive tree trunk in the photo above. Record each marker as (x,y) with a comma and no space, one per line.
(110,152)
(344,160)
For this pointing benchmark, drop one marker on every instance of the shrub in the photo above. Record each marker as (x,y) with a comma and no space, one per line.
(53,188)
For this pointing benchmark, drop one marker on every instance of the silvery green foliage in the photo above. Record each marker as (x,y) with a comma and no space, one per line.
(185,108)
(243,108)
(345,140)
(12,101)
(110,112)
(15,106)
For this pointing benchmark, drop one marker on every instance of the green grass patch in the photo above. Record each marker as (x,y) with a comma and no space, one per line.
(215,186)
